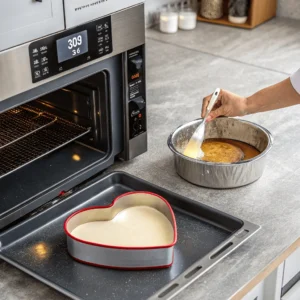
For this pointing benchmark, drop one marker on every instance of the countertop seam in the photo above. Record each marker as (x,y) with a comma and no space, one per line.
(219,56)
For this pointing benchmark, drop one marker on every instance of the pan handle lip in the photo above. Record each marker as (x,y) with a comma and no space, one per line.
(111,205)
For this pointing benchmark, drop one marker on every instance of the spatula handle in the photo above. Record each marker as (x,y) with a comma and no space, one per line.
(212,101)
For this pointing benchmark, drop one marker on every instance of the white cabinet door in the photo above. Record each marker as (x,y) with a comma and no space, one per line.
(256,293)
(291,267)
(22,21)
(268,289)
(82,11)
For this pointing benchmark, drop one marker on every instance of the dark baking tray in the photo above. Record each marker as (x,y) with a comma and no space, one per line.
(38,245)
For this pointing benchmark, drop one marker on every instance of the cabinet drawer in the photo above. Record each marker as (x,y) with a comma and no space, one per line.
(291,267)
(26,20)
(82,11)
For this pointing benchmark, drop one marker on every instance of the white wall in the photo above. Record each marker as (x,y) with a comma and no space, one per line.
(153,4)
(287,9)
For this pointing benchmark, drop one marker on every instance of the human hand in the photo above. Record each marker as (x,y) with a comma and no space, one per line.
(228,104)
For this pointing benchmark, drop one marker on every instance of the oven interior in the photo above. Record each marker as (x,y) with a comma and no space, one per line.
(76,112)
(46,141)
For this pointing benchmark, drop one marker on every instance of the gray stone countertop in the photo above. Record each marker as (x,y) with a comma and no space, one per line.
(182,68)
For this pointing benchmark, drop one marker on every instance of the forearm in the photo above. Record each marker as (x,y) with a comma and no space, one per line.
(280,95)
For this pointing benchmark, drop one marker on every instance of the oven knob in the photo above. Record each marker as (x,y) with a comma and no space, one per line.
(140,103)
(135,64)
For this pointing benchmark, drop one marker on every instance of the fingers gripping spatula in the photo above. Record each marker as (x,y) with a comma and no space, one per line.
(193,148)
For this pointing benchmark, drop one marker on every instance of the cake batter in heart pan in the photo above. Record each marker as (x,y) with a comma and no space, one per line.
(137,231)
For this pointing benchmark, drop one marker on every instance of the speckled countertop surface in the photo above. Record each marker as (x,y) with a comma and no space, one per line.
(182,68)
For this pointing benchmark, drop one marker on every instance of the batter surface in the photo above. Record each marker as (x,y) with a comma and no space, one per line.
(139,226)
(221,152)
(227,150)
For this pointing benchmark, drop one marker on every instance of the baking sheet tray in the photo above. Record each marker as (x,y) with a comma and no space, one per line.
(38,245)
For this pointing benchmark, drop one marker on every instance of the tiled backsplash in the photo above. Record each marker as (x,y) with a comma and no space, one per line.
(286,8)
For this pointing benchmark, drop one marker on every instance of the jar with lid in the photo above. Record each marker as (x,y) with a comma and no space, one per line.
(169,20)
(211,9)
(238,11)
(187,19)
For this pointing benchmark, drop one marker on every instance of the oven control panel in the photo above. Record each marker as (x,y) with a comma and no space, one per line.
(136,92)
(69,49)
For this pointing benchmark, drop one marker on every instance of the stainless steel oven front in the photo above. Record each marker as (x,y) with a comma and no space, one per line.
(70,103)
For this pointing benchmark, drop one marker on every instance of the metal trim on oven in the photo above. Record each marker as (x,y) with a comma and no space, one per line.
(128,31)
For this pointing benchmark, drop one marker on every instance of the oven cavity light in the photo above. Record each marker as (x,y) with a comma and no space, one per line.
(76,157)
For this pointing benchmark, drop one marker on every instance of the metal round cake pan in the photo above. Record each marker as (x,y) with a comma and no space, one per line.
(221,175)
(132,244)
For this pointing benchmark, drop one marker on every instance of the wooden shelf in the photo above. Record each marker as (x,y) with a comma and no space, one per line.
(224,21)
(260,11)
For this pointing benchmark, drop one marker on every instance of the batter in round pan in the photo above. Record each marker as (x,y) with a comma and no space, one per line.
(221,152)
(139,226)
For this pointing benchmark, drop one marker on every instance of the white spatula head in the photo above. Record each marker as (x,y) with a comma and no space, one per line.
(193,148)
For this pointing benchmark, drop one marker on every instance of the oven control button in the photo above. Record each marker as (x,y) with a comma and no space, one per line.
(135,64)
(45,71)
(37,74)
(140,102)
(99,27)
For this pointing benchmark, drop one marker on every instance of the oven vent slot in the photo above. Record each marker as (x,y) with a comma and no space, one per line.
(38,138)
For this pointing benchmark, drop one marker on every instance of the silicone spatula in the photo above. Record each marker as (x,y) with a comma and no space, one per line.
(193,148)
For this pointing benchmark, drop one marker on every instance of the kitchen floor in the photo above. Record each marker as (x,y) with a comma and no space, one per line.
(182,69)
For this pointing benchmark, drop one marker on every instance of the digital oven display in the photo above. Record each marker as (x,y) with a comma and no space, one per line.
(72,46)
(69,49)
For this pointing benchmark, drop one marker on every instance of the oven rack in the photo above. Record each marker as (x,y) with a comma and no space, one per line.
(43,139)
(20,122)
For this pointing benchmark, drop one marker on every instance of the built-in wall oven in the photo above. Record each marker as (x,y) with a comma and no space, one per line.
(72,96)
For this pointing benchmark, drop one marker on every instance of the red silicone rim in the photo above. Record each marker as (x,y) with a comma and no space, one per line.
(112,204)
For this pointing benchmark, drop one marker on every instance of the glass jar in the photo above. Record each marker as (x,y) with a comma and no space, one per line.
(169,21)
(238,11)
(211,9)
(187,19)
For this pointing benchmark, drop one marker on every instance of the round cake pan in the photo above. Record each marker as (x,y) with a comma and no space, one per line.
(115,256)
(219,175)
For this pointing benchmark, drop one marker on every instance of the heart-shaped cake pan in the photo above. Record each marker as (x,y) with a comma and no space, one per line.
(137,231)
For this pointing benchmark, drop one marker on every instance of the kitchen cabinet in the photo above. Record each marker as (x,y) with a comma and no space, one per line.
(257,293)
(282,284)
(81,11)
(292,267)
(268,289)
(26,20)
